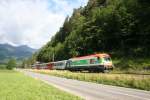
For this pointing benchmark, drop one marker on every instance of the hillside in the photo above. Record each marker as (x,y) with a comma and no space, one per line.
(7,51)
(118,27)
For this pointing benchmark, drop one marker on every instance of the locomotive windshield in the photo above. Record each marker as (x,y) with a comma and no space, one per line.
(107,58)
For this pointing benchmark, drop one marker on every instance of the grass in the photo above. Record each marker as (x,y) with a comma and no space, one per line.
(16,86)
(132,65)
(123,80)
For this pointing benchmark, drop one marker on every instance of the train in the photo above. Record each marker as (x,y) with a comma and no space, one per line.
(94,63)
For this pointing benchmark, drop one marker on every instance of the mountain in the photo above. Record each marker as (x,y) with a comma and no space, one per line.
(19,52)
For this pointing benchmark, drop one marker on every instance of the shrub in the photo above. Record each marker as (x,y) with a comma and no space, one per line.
(11,64)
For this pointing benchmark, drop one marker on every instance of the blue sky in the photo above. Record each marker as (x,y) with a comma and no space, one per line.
(33,22)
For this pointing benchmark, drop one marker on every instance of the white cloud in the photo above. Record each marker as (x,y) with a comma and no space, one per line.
(33,22)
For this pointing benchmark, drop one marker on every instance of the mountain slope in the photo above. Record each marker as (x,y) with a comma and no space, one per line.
(7,51)
(118,27)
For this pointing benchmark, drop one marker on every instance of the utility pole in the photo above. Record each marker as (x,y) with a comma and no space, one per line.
(54,55)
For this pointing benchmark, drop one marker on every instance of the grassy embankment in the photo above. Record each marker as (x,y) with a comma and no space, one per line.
(132,65)
(124,80)
(16,86)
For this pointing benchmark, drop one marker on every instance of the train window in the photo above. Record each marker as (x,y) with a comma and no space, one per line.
(92,61)
(59,64)
(107,58)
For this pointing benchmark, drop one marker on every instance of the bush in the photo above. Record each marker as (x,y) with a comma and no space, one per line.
(11,64)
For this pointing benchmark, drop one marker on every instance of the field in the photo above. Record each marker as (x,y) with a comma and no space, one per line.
(16,86)
(123,80)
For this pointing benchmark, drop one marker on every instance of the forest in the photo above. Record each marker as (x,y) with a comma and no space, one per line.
(120,28)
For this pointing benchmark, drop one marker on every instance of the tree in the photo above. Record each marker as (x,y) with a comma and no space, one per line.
(119,27)
(23,63)
(11,64)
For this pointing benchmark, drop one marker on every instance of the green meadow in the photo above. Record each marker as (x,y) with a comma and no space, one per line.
(16,86)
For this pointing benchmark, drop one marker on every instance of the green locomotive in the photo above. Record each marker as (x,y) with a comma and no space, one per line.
(96,63)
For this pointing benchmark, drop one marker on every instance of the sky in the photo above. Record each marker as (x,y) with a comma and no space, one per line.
(33,22)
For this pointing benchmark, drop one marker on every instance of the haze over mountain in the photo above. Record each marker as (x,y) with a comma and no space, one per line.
(19,52)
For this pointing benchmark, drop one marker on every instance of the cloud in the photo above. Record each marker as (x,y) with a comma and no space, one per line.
(33,22)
